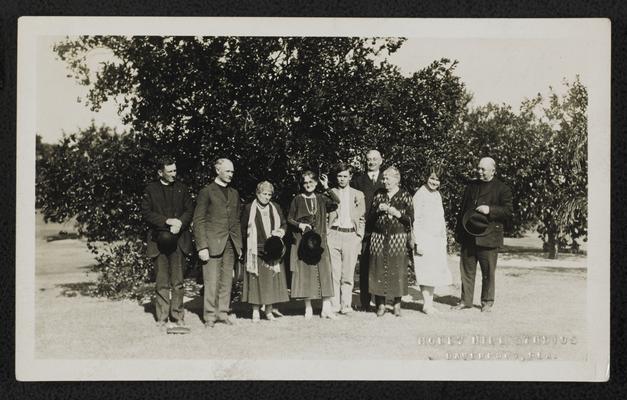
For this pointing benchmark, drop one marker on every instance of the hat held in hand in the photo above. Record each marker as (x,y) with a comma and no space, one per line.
(310,249)
(166,241)
(476,223)
(273,248)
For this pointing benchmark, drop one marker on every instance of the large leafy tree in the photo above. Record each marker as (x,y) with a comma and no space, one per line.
(275,106)
(563,197)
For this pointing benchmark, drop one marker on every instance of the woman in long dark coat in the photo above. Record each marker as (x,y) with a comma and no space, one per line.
(308,211)
(390,215)
(264,282)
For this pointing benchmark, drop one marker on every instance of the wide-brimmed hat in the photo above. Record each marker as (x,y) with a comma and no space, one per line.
(476,223)
(274,248)
(310,249)
(166,241)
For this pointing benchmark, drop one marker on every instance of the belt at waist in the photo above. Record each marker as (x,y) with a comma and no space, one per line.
(345,230)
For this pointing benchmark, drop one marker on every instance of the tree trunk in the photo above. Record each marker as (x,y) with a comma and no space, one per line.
(553,246)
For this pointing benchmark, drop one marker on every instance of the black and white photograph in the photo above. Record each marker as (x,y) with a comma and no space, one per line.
(313,199)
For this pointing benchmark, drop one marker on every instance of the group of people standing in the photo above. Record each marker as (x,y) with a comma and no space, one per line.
(367,220)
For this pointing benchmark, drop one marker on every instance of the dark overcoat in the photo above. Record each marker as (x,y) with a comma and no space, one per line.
(156,211)
(363,183)
(494,194)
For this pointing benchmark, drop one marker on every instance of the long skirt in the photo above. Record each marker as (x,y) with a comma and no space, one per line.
(311,281)
(266,288)
(389,261)
(431,268)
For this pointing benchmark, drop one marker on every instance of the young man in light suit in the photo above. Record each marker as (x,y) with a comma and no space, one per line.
(345,233)
(218,236)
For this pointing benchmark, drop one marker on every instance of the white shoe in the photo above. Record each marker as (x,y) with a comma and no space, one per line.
(430,310)
(256,317)
(308,313)
(328,315)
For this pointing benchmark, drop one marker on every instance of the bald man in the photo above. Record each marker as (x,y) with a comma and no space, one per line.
(493,199)
(369,183)
(218,237)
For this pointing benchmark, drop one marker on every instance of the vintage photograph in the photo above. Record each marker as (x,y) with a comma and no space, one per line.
(301,198)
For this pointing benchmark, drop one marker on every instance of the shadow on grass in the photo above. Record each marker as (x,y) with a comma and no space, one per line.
(293,307)
(74,289)
(526,253)
(448,300)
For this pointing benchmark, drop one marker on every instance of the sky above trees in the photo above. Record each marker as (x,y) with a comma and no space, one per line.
(493,70)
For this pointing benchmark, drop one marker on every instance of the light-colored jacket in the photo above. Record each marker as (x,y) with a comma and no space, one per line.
(357,211)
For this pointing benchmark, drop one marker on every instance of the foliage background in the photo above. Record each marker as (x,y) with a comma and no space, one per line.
(278,105)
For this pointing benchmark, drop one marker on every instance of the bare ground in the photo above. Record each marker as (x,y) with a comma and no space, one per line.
(535,297)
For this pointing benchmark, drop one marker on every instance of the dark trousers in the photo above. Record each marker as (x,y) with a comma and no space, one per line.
(169,269)
(364,267)
(486,256)
(217,275)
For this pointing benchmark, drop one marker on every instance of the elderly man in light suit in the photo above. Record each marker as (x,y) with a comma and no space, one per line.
(345,232)
(218,236)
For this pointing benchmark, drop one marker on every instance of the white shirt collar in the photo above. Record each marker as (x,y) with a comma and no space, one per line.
(220,183)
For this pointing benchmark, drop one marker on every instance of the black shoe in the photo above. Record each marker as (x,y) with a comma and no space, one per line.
(460,306)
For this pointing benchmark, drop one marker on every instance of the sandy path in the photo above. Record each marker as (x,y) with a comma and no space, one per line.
(533,298)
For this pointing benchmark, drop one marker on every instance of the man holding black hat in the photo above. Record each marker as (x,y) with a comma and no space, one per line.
(486,206)
(167,207)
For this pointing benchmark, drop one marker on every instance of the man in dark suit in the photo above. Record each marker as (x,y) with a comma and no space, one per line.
(486,206)
(167,207)
(218,236)
(369,183)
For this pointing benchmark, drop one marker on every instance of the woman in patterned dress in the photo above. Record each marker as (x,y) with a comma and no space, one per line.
(264,282)
(390,215)
(308,211)
(430,258)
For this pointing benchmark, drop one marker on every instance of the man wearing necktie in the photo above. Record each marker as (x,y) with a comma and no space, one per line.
(346,229)
(369,183)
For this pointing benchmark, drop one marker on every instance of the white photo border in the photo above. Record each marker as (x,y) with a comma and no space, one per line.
(595,33)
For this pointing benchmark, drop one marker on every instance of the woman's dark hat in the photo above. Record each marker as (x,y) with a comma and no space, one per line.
(166,241)
(310,249)
(476,223)
(273,248)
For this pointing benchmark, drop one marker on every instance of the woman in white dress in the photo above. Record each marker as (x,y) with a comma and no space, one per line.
(430,257)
